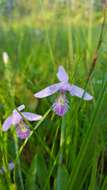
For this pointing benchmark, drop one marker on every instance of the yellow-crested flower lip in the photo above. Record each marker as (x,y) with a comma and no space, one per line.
(60,107)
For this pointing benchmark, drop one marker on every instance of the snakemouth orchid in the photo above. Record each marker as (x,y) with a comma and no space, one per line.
(60,106)
(22,129)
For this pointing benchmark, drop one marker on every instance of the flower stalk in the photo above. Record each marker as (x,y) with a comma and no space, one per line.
(62,140)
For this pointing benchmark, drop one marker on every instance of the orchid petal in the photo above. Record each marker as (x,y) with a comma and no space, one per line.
(31,116)
(16,118)
(48,91)
(21,107)
(7,123)
(77,91)
(62,75)
(11,166)
(65,86)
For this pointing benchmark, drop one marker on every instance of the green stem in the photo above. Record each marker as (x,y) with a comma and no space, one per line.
(32,132)
(62,139)
(18,163)
(5,162)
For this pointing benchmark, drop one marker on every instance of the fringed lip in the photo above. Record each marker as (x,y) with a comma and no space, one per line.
(60,107)
(22,130)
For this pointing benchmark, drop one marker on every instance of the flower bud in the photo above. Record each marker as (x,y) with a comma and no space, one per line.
(5,57)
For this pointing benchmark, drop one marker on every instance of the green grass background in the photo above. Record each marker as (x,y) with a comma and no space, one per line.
(37,43)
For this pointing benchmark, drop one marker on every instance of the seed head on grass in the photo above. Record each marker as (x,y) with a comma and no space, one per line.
(60,106)
(22,130)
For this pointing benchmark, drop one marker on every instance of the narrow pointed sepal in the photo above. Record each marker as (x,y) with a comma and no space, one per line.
(48,91)
(79,92)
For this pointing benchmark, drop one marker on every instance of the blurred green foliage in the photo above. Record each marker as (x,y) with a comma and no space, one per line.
(38,37)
